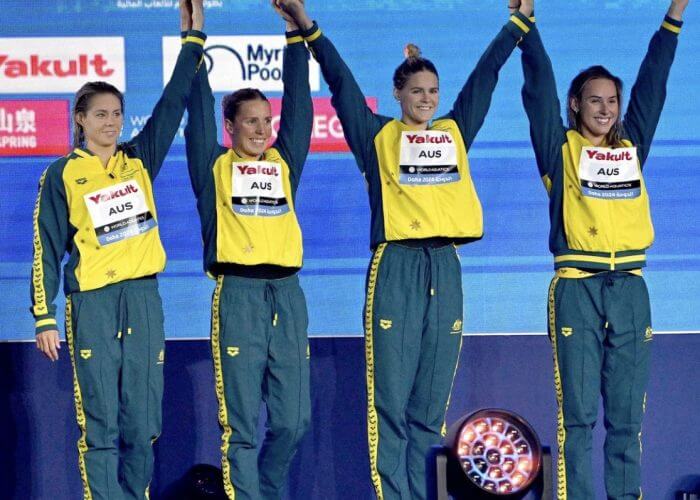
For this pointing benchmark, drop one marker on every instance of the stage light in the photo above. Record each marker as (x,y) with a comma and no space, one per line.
(490,453)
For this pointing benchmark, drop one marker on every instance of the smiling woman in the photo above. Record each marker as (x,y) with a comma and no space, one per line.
(97,205)
(595,99)
(416,87)
(98,117)
(599,311)
(423,203)
(248,121)
(246,198)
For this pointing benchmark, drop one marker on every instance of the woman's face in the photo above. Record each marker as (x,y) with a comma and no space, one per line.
(598,109)
(102,122)
(251,128)
(419,98)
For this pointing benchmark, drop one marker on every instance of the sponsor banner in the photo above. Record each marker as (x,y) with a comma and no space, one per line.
(59,65)
(119,212)
(610,173)
(327,133)
(428,157)
(134,124)
(236,62)
(34,128)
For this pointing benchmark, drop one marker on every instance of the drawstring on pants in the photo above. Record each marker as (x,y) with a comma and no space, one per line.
(271,298)
(123,316)
(431,271)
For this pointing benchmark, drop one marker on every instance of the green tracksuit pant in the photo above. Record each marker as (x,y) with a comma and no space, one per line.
(413,335)
(600,328)
(261,353)
(116,343)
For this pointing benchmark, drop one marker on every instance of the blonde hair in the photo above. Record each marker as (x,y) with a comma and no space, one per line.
(411,51)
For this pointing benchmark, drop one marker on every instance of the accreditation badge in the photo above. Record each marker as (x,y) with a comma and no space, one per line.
(258,189)
(119,212)
(428,157)
(610,173)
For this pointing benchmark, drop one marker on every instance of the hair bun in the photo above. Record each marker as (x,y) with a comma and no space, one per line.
(411,51)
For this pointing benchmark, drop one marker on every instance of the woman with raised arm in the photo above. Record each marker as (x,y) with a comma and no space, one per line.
(599,317)
(96,204)
(253,247)
(423,203)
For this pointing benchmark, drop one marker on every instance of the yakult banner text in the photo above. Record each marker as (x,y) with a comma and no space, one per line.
(34,128)
(235,62)
(59,65)
(327,133)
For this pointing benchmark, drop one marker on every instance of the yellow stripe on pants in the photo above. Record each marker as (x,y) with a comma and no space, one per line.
(561,432)
(372,418)
(78,398)
(219,385)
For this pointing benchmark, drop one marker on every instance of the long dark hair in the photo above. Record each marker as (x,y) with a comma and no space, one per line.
(82,103)
(413,64)
(614,136)
(232,102)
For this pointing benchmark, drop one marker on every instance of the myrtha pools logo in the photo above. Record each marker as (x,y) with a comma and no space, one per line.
(240,61)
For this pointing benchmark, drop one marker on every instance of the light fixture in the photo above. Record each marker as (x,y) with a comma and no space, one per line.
(490,453)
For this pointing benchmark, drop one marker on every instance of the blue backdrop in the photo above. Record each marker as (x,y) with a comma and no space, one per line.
(505,272)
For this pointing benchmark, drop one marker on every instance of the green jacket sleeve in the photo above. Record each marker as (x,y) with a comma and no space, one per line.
(296,119)
(201,142)
(541,103)
(360,124)
(153,142)
(472,103)
(649,90)
(51,236)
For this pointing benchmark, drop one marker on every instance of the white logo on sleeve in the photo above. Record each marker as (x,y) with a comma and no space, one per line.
(257,189)
(428,157)
(610,173)
(119,212)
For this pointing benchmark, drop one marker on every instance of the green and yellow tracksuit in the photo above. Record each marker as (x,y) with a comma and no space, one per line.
(253,246)
(599,315)
(423,203)
(105,219)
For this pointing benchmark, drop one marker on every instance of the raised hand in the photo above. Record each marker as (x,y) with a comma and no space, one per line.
(676,9)
(197,14)
(185,15)
(513,6)
(527,7)
(291,25)
(296,10)
(191,15)
(281,12)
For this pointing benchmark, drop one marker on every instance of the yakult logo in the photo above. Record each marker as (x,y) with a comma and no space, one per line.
(609,155)
(240,61)
(59,65)
(117,193)
(431,139)
(250,170)
(36,65)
